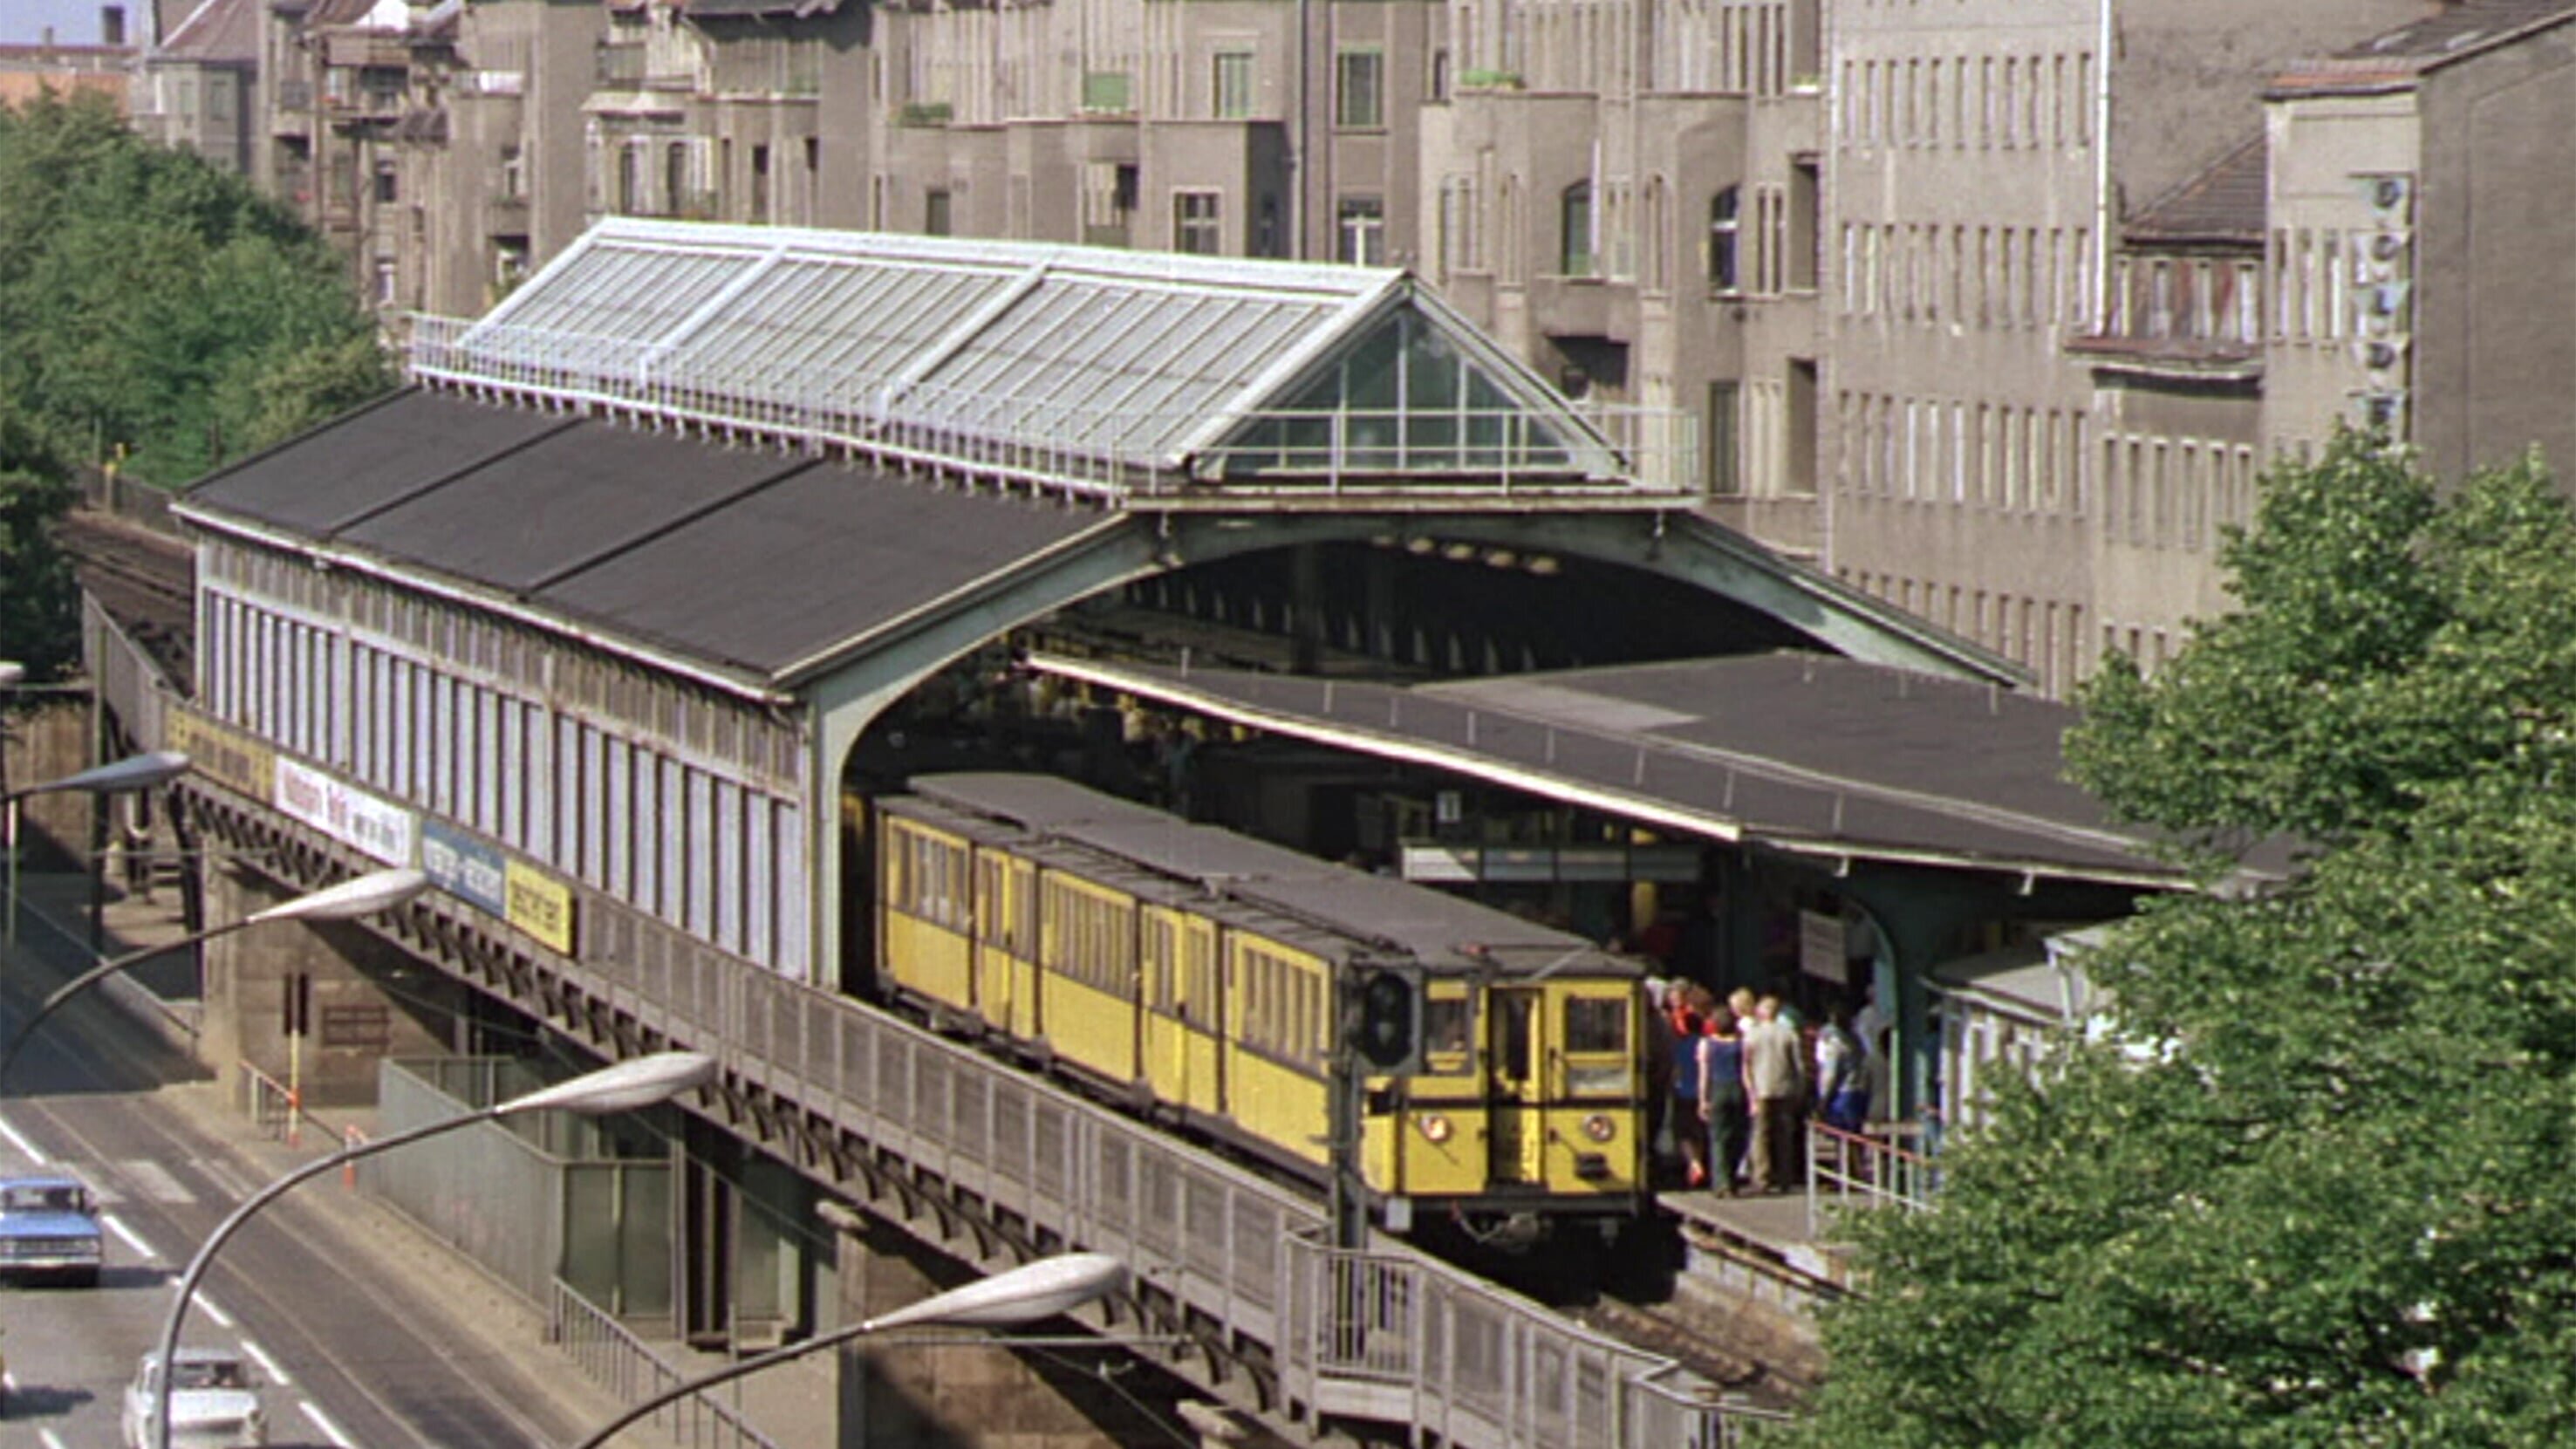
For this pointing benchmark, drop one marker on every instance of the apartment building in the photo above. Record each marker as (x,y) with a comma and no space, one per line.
(57,67)
(1986,160)
(196,85)
(1995,308)
(1628,192)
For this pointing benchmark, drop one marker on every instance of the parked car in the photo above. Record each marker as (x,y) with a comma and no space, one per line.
(214,1402)
(49,1229)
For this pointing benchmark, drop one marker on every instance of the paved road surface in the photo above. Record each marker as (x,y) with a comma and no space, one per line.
(370,1334)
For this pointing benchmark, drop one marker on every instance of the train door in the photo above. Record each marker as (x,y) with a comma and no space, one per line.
(1516,1085)
(992,940)
(1020,976)
(1166,1013)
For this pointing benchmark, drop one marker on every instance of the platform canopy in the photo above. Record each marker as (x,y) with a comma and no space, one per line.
(1120,374)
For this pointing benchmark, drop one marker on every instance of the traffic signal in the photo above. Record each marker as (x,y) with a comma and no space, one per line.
(1389,1021)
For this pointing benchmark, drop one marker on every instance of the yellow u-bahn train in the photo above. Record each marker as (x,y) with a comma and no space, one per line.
(1192,971)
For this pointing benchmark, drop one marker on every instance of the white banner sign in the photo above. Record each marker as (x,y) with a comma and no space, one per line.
(352,817)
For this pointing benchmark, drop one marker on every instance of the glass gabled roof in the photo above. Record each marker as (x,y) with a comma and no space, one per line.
(1100,370)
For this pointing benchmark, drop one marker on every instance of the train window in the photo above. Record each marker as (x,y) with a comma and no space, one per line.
(1198,987)
(1594,1025)
(1448,1032)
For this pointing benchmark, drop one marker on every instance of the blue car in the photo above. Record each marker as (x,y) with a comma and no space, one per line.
(49,1230)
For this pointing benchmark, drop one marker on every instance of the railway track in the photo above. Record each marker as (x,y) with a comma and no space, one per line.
(144,581)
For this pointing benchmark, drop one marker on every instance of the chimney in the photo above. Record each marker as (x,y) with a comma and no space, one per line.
(111,25)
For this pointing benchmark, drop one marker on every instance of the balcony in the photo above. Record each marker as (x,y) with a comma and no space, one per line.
(505,216)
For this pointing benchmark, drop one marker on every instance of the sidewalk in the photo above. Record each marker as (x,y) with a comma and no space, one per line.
(793,1404)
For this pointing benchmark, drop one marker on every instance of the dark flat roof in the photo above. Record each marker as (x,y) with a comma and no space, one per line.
(758,564)
(1815,754)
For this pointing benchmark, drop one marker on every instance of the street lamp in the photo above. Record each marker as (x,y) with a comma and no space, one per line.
(1029,1293)
(362,896)
(639,1082)
(134,772)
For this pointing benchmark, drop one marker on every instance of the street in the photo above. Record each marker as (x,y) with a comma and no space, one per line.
(365,1332)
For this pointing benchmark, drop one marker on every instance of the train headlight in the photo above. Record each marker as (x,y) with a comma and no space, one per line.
(1600,1128)
(1435,1127)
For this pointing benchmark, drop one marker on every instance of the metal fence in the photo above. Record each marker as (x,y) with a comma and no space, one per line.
(483,1190)
(621,1363)
(1882,1167)
(1043,441)
(1388,1334)
(599,1219)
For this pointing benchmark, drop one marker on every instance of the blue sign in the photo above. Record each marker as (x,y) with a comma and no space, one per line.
(465,868)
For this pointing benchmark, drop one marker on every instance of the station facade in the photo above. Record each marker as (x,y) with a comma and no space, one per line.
(610,621)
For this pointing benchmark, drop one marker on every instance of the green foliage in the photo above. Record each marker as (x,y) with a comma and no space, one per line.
(2322,1196)
(155,303)
(36,598)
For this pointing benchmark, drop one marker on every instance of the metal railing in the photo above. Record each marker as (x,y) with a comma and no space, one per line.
(622,1364)
(276,1111)
(1881,1166)
(1387,1334)
(1087,450)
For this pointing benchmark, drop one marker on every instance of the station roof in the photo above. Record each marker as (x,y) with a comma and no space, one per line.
(1115,373)
(748,562)
(1810,754)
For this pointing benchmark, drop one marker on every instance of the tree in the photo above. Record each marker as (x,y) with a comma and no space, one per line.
(156,303)
(37,605)
(2315,1190)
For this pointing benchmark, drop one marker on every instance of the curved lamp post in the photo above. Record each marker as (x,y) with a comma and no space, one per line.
(639,1082)
(134,772)
(1027,1294)
(361,896)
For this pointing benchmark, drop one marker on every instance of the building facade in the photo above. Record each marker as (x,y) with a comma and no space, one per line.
(1992,308)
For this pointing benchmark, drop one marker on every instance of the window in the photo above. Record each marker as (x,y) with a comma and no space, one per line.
(1234,82)
(1723,477)
(675,178)
(1196,223)
(1362,228)
(1723,209)
(1596,1025)
(1105,92)
(934,214)
(760,183)
(386,185)
(628,164)
(1359,91)
(1575,249)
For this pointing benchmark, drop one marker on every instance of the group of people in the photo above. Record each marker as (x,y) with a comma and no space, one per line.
(1745,1076)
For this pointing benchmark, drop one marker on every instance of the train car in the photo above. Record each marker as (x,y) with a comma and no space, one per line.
(1197,972)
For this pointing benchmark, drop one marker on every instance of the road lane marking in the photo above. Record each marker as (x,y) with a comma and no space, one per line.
(155,1182)
(275,1374)
(25,1148)
(206,1306)
(323,1422)
(133,1240)
(52,1439)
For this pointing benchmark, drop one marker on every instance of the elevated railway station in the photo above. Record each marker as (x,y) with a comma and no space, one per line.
(614,618)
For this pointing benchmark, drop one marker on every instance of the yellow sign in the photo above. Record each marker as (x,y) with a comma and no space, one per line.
(223,754)
(540,906)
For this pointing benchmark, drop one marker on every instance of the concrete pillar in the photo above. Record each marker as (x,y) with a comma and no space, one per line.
(352,1023)
(900,1394)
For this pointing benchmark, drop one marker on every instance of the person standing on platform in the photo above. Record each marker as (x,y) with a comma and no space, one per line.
(1723,1107)
(1690,1004)
(1775,1081)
